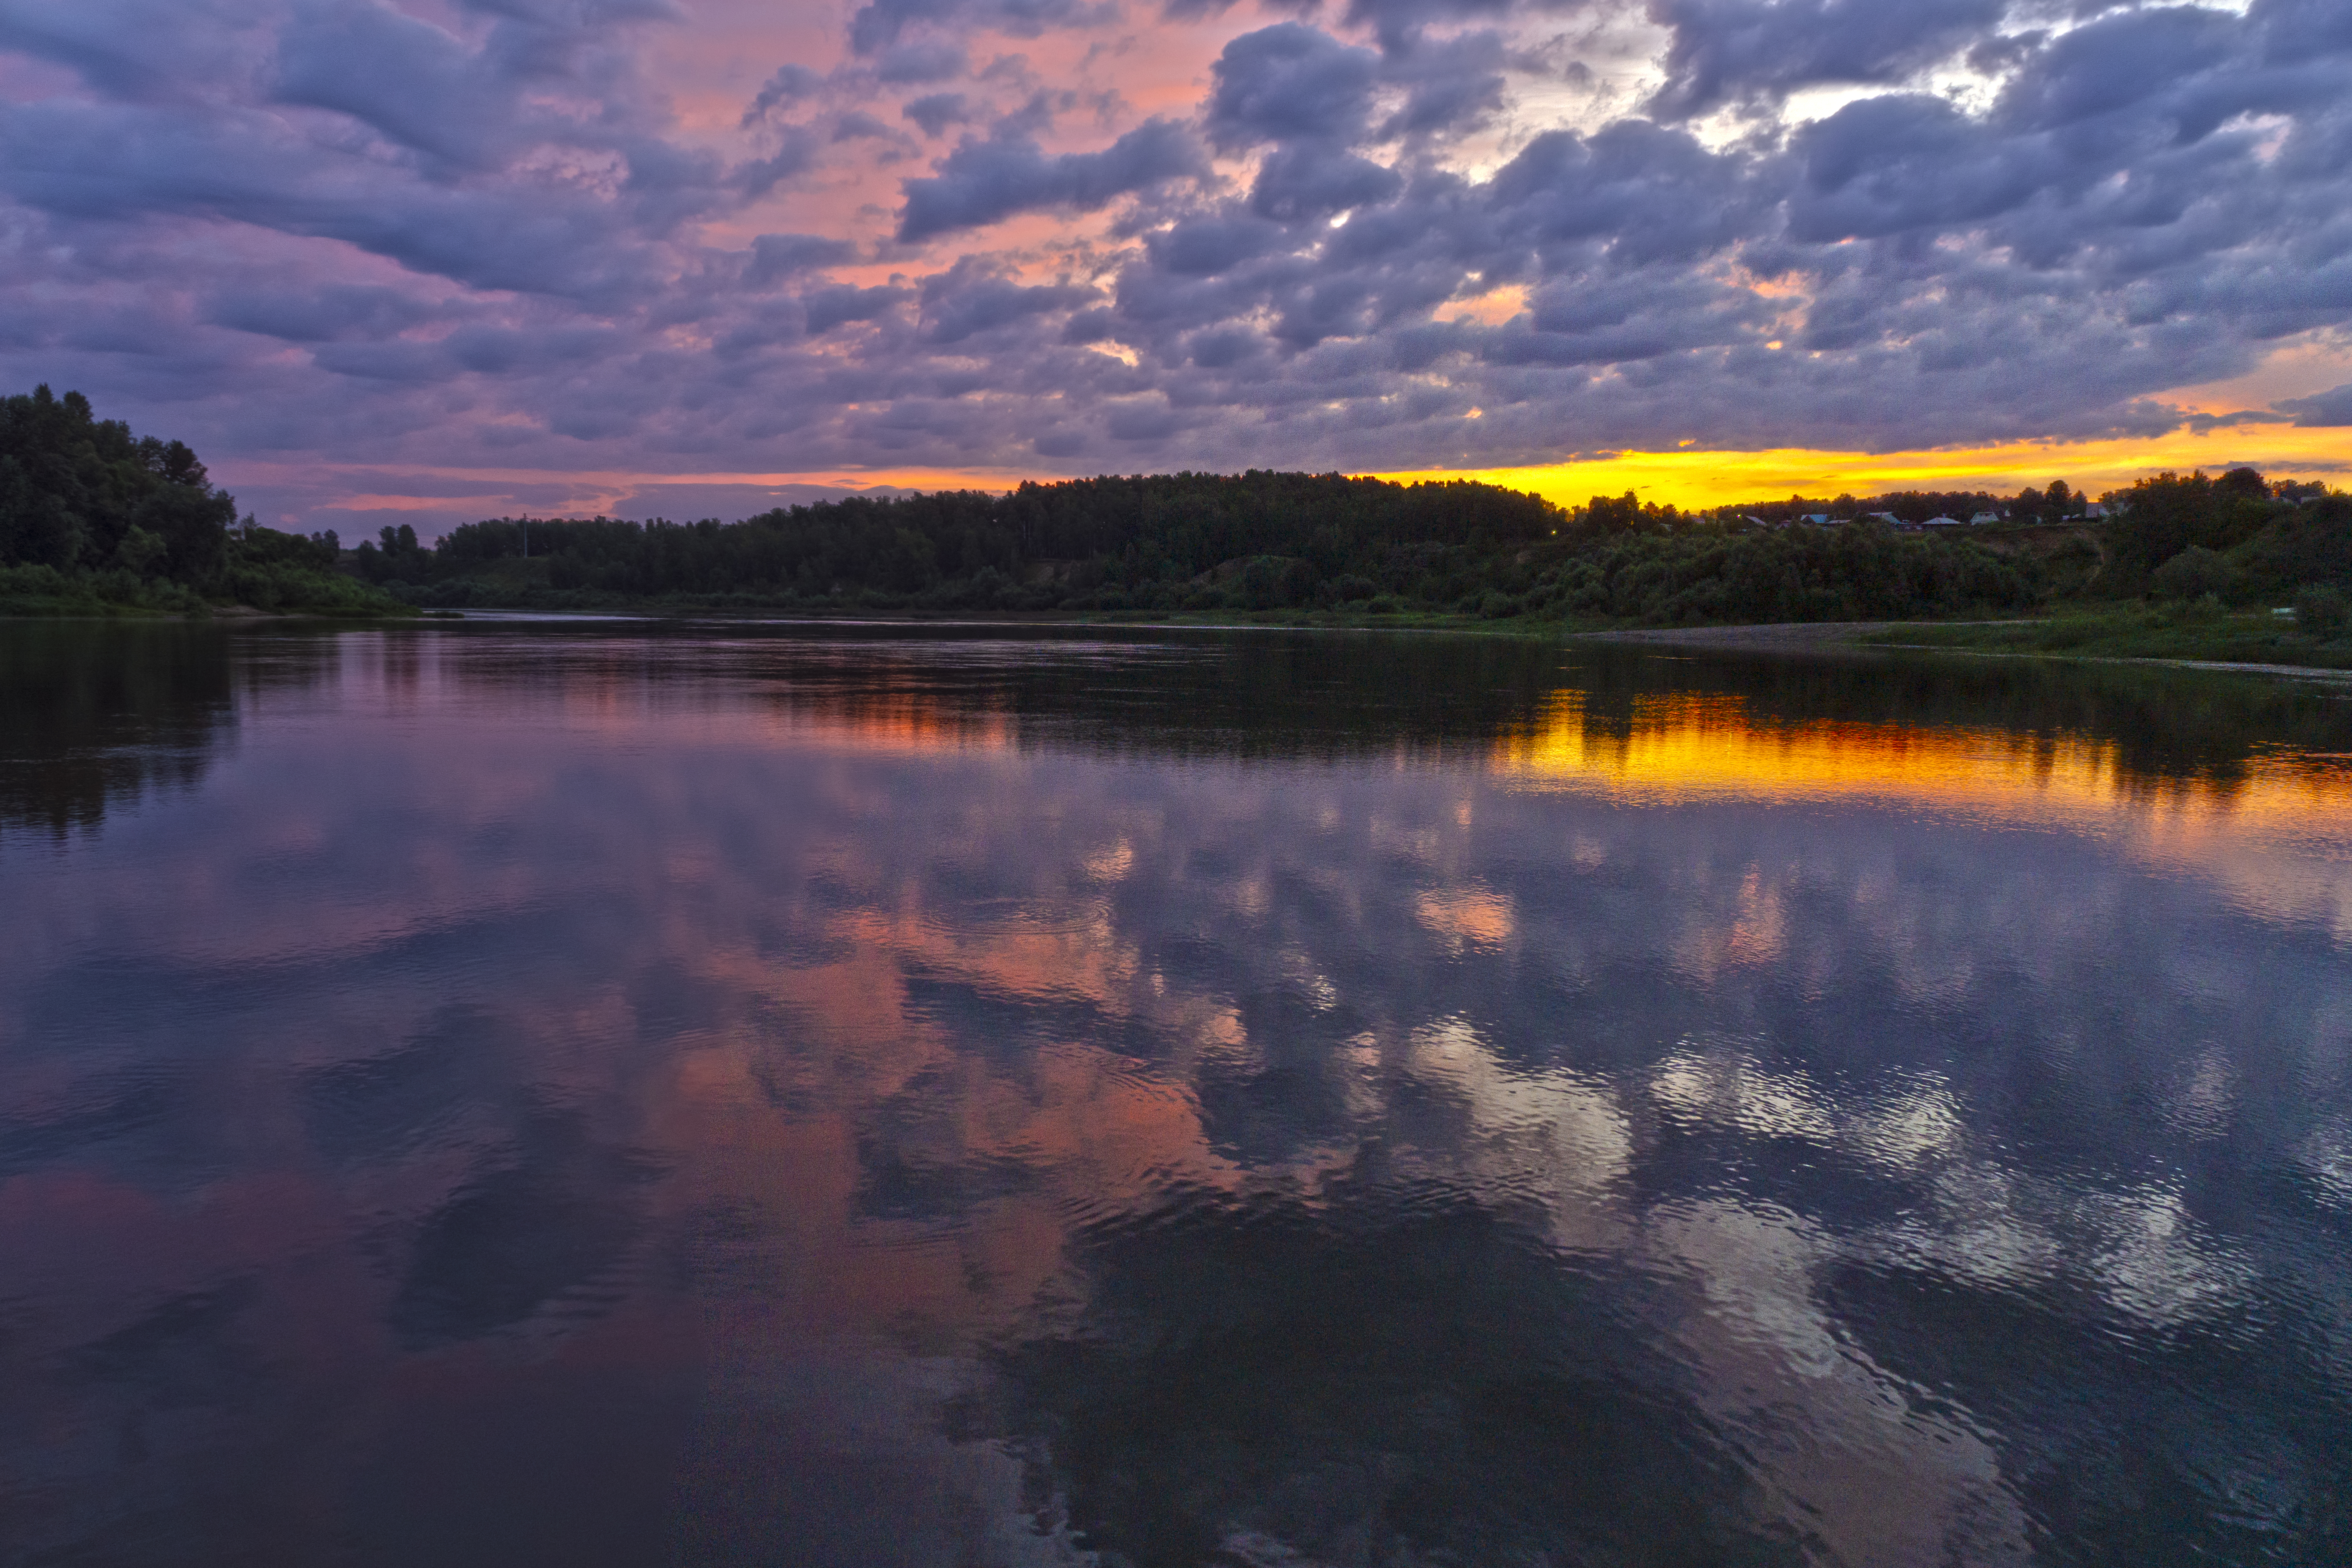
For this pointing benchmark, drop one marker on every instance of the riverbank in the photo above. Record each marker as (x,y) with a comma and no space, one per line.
(2180,634)
(44,593)
(2183,636)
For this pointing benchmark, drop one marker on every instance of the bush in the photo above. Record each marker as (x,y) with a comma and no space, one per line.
(2322,611)
(2193,574)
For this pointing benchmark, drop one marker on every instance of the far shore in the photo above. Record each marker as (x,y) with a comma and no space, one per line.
(1977,638)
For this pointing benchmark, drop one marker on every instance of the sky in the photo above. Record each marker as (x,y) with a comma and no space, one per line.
(428,260)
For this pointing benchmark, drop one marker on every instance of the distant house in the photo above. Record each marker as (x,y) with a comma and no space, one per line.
(1888,517)
(1817,520)
(2100,508)
(1943,523)
(1982,518)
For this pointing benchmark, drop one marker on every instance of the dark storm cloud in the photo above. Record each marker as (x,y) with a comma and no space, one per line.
(479,231)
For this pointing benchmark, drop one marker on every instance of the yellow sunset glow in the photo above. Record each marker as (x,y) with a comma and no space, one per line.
(1699,478)
(1693,477)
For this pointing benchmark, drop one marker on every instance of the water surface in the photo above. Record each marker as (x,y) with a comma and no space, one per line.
(616,1094)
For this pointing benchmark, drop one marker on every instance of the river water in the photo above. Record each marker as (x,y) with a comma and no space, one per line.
(608,1093)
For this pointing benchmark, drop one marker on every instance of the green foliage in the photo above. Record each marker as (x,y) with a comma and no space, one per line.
(94,520)
(1114,542)
(2166,515)
(2323,612)
(2303,543)
(2199,629)
(2193,574)
(39,590)
(78,493)
(1862,571)
(1208,544)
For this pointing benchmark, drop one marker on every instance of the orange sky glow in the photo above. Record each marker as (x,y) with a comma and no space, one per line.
(1693,477)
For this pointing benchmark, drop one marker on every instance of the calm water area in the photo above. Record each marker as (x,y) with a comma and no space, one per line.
(614,1093)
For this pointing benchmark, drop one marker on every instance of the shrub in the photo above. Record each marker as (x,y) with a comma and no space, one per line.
(2193,574)
(2322,611)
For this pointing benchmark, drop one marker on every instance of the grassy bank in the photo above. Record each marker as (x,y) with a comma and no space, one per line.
(44,592)
(2184,631)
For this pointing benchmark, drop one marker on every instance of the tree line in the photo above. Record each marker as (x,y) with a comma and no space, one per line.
(95,520)
(1205,542)
(89,512)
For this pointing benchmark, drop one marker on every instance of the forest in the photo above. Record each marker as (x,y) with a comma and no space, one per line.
(1268,542)
(94,520)
(1189,542)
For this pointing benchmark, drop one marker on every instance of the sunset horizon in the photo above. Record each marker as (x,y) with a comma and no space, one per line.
(434,260)
(1689,479)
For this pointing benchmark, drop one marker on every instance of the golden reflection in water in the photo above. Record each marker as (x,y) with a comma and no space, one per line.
(2278,836)
(1709,745)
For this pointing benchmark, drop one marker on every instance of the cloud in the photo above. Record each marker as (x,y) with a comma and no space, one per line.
(514,235)
(984,181)
(967,299)
(936,111)
(1290,81)
(330,312)
(789,85)
(1454,85)
(140,52)
(2325,410)
(775,256)
(1205,246)
(879,24)
(929,60)
(1726,52)
(837,304)
(410,81)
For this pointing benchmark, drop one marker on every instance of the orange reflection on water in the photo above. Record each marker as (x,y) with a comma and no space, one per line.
(2278,833)
(903,721)
(1679,746)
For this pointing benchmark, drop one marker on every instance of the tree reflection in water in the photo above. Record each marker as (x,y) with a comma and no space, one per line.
(620,1094)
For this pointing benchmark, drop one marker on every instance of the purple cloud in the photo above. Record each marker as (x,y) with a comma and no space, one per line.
(562,236)
(985,182)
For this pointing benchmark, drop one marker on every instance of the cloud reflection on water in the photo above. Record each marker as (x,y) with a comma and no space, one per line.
(504,1025)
